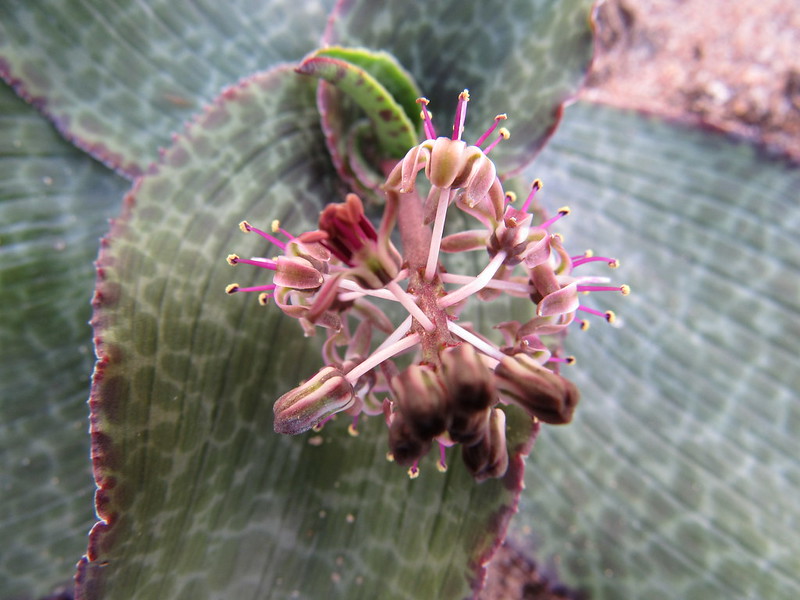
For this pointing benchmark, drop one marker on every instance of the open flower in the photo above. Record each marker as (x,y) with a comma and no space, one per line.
(459,380)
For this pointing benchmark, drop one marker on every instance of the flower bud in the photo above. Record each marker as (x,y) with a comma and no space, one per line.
(325,394)
(406,447)
(422,400)
(469,383)
(297,273)
(468,427)
(489,457)
(542,393)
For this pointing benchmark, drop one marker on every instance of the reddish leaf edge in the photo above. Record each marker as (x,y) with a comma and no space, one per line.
(99,151)
(513,481)
(89,580)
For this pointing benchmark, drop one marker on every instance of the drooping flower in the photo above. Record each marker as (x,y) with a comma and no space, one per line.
(459,380)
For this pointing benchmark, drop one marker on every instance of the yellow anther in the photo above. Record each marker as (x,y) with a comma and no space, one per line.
(501,117)
(263,299)
(413,472)
(351,429)
(511,197)
(584,325)
(232,259)
(276,225)
(625,289)
(613,263)
(423,100)
(589,253)
(611,316)
(571,360)
(504,133)
(537,184)
(441,466)
(232,288)
(464,96)
(564,210)
(390,457)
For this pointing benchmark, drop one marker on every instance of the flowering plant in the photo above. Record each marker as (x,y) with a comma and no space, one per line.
(450,394)
(678,474)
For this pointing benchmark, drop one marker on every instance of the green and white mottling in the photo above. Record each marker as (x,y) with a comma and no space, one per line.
(54,206)
(122,76)
(679,476)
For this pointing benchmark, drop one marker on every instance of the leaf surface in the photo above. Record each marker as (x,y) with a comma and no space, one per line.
(118,78)
(680,475)
(54,205)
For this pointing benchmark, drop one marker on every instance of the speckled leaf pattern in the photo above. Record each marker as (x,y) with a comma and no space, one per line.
(680,476)
(54,204)
(520,57)
(380,86)
(202,499)
(118,77)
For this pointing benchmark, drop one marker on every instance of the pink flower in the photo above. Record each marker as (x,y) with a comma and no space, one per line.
(338,276)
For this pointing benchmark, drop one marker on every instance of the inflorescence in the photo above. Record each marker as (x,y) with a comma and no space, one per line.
(454,390)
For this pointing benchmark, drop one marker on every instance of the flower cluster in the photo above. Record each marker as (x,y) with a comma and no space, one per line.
(459,380)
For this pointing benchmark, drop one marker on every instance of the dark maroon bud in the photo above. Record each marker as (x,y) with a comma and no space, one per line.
(469,383)
(422,399)
(405,446)
(489,457)
(543,394)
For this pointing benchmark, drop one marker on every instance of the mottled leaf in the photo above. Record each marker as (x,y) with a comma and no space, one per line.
(200,497)
(119,77)
(378,85)
(680,476)
(520,57)
(54,204)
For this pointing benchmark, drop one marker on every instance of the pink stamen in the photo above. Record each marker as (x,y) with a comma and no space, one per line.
(234,289)
(562,212)
(461,114)
(607,315)
(503,135)
(535,187)
(604,288)
(442,464)
(567,360)
(245,226)
(427,123)
(489,131)
(263,263)
(583,259)
(276,228)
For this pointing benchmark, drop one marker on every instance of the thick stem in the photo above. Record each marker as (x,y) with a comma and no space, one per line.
(414,235)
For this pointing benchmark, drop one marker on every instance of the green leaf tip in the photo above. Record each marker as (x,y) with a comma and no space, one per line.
(379,85)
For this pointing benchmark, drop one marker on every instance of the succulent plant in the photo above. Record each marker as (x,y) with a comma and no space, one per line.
(678,474)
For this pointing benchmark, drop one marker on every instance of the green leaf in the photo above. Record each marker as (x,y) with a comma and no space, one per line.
(119,77)
(520,57)
(201,498)
(680,476)
(54,205)
(379,85)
